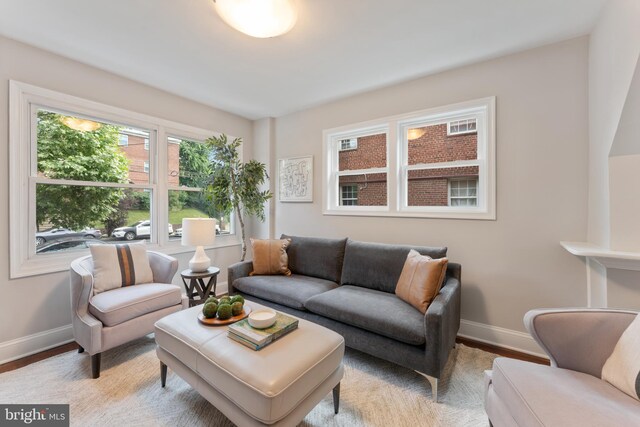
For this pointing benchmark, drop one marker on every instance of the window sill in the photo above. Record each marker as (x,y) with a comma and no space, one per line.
(55,263)
(476,215)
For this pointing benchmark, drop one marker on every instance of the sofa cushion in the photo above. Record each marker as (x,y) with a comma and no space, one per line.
(270,256)
(375,311)
(292,291)
(541,395)
(316,257)
(120,265)
(622,368)
(378,266)
(119,305)
(420,280)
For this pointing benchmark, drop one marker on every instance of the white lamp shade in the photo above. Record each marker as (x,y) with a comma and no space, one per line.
(198,231)
(258,18)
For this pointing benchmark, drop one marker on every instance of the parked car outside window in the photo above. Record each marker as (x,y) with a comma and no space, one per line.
(43,237)
(65,245)
(137,230)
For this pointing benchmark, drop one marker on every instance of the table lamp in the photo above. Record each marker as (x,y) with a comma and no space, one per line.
(199,232)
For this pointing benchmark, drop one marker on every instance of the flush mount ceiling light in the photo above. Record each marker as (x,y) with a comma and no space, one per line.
(80,124)
(258,18)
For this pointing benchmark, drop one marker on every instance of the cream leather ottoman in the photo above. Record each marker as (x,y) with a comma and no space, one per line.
(278,385)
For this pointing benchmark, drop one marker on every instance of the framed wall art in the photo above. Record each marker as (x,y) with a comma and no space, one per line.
(295,179)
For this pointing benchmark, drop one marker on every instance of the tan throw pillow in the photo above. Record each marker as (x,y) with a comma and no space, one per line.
(622,368)
(270,257)
(115,266)
(421,279)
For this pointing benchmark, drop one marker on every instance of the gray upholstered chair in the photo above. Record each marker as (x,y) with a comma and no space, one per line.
(570,392)
(112,318)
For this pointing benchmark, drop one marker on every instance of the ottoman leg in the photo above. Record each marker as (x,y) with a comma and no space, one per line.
(163,374)
(336,398)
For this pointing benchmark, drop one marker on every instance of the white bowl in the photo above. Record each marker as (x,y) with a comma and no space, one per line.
(261,319)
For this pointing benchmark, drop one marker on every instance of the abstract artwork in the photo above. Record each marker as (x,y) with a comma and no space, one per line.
(296,179)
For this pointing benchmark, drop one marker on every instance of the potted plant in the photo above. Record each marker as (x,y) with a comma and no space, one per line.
(235,185)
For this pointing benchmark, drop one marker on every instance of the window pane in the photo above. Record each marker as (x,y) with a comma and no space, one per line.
(431,144)
(85,150)
(190,163)
(371,152)
(363,190)
(193,204)
(431,187)
(79,215)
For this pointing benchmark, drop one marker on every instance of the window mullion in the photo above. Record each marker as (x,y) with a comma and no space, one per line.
(160,207)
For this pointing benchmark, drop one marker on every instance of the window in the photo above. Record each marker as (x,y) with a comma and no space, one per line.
(437,163)
(349,144)
(348,195)
(189,169)
(463,192)
(459,127)
(80,185)
(360,173)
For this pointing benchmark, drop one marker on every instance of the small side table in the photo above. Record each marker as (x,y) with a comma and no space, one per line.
(197,290)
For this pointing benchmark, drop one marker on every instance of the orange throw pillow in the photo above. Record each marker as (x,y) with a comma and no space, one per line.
(421,279)
(270,256)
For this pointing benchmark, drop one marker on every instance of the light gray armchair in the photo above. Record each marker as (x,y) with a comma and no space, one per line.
(570,392)
(112,318)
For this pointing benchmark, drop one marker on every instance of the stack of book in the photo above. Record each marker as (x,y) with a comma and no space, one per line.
(256,339)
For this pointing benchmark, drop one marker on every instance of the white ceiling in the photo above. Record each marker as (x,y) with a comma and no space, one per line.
(338,47)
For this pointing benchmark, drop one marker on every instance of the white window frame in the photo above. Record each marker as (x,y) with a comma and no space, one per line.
(331,160)
(458,132)
(452,180)
(146,144)
(353,144)
(398,168)
(146,167)
(342,198)
(24,100)
(120,140)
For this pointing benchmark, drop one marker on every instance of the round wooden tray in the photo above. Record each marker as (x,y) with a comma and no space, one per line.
(217,322)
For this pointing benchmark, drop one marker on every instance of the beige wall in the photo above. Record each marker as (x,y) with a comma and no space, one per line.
(509,265)
(37,304)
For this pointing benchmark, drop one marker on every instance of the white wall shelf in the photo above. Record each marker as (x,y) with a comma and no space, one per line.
(607,257)
(598,260)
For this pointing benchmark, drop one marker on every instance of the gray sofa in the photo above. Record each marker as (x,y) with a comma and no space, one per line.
(569,393)
(348,286)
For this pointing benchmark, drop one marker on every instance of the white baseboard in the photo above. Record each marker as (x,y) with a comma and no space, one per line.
(501,337)
(31,344)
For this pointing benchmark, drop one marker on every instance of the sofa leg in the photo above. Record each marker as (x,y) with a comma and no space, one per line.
(95,366)
(434,385)
(163,374)
(336,398)
(80,349)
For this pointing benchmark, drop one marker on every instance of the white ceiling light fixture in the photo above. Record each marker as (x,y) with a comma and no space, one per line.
(258,18)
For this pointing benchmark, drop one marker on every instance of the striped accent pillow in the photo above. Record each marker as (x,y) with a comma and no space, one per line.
(622,368)
(115,266)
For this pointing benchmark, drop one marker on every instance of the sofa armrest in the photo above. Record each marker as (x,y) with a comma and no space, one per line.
(579,339)
(164,267)
(441,324)
(87,330)
(237,271)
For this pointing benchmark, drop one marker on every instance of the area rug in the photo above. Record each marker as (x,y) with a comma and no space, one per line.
(128,392)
